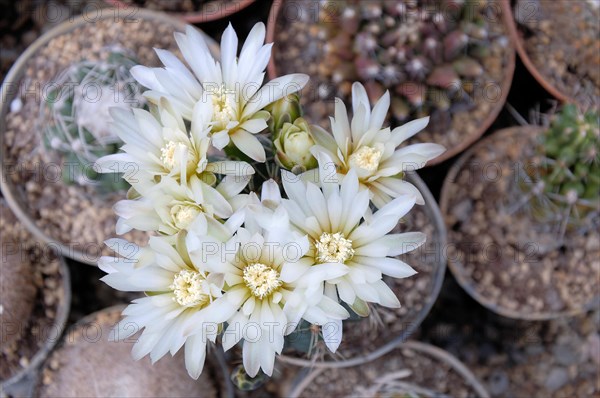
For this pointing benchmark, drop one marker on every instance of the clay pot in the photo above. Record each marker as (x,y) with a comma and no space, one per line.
(517,39)
(211,11)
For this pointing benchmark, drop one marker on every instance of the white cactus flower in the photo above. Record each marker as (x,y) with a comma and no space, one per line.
(160,146)
(261,270)
(228,94)
(374,152)
(169,207)
(177,289)
(333,217)
(230,263)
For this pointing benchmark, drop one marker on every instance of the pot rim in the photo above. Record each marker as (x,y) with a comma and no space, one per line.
(15,74)
(457,268)
(59,324)
(519,45)
(304,380)
(224,10)
(225,387)
(433,210)
(505,84)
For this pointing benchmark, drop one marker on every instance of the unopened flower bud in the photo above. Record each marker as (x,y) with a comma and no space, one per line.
(292,143)
(285,110)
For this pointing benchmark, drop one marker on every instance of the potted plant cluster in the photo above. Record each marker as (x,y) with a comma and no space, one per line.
(271,237)
(450,60)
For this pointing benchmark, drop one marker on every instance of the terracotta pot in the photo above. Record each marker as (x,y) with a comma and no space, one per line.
(519,45)
(212,11)
(13,193)
(409,322)
(87,349)
(457,267)
(278,7)
(19,383)
(439,356)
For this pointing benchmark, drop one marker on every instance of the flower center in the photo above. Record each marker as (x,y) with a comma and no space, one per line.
(224,107)
(334,248)
(188,289)
(366,158)
(262,280)
(184,214)
(168,153)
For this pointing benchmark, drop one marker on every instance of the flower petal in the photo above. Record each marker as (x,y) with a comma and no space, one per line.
(274,90)
(249,145)
(404,132)
(195,355)
(229,46)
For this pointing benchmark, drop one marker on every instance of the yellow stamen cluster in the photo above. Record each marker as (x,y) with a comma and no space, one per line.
(184,214)
(261,279)
(168,152)
(187,287)
(334,248)
(224,107)
(366,158)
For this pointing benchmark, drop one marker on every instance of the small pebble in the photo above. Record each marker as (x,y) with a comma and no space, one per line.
(557,378)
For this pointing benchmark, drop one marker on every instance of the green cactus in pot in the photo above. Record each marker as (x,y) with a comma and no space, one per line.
(561,184)
(74,116)
(570,166)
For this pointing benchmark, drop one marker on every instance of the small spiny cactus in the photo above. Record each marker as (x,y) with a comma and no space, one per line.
(74,115)
(570,169)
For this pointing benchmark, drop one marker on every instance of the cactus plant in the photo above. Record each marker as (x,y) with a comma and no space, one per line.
(562,184)
(428,52)
(571,159)
(75,120)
